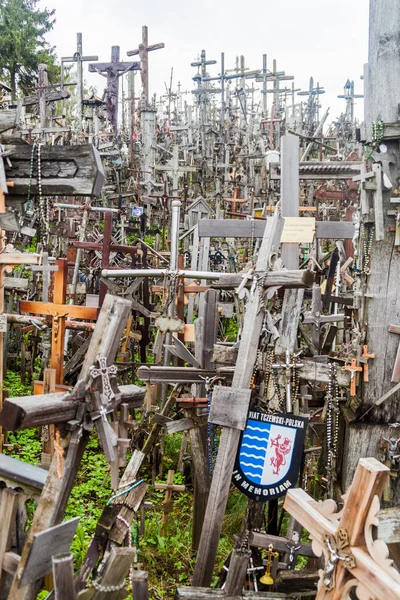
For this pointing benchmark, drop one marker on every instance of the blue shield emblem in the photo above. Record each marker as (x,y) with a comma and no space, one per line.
(269,455)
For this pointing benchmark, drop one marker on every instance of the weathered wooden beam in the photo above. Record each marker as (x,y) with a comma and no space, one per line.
(66,170)
(21,473)
(174,374)
(201,593)
(44,409)
(255,229)
(292,279)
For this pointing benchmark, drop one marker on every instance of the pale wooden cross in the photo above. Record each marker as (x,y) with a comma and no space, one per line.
(353,559)
(143,51)
(174,169)
(46,268)
(169,488)
(78,59)
(113,71)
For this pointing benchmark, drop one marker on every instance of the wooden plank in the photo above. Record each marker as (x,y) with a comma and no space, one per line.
(140,585)
(291,279)
(229,407)
(9,506)
(290,193)
(201,593)
(237,572)
(313,371)
(262,540)
(39,559)
(77,312)
(248,229)
(173,374)
(291,310)
(21,473)
(63,576)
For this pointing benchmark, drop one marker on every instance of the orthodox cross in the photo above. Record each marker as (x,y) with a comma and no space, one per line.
(113,71)
(352,558)
(143,52)
(317,319)
(58,310)
(78,59)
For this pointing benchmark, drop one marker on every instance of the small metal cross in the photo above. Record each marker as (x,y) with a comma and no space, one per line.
(104,372)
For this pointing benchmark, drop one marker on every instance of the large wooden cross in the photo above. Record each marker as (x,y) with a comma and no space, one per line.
(59,311)
(113,71)
(78,59)
(143,52)
(235,421)
(353,559)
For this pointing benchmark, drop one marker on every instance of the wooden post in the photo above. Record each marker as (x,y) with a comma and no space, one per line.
(9,506)
(48,431)
(63,576)
(290,193)
(140,585)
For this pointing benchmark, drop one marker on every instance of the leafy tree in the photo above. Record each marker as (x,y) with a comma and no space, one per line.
(23,47)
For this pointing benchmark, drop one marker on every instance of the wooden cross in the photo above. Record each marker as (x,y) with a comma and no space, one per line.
(271,121)
(46,268)
(232,424)
(143,52)
(113,71)
(352,558)
(353,368)
(44,96)
(235,200)
(288,365)
(164,197)
(176,170)
(78,59)
(169,488)
(317,319)
(365,356)
(59,311)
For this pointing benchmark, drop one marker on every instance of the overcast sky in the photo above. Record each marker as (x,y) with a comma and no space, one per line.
(326,39)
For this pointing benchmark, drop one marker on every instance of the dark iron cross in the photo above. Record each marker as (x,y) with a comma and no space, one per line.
(113,71)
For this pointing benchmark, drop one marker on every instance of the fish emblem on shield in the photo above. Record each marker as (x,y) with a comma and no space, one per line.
(269,455)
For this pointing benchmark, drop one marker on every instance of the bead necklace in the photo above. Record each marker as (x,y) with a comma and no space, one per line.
(332,423)
(367,251)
